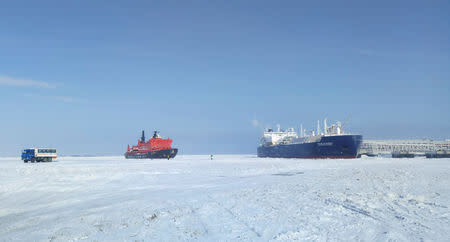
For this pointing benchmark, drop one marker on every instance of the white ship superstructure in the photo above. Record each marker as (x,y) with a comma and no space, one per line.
(290,136)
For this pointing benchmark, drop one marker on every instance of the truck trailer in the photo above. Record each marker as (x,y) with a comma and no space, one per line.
(39,155)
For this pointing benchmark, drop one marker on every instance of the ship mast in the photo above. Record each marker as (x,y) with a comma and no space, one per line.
(143,137)
(318,127)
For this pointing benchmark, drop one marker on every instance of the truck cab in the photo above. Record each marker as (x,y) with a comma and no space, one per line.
(39,155)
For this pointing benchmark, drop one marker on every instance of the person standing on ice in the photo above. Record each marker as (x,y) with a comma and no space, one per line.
(211,157)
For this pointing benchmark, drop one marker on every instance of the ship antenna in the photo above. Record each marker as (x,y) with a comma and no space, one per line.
(143,137)
(318,127)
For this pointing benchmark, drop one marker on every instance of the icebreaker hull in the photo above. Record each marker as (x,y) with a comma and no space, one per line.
(156,154)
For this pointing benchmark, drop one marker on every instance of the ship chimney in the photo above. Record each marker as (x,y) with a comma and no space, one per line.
(143,137)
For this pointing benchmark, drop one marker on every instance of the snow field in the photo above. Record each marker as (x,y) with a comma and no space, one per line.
(233,197)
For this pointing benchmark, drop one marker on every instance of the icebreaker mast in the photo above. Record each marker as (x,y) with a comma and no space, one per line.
(143,137)
(325,126)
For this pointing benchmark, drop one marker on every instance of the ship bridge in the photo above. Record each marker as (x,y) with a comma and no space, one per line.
(374,147)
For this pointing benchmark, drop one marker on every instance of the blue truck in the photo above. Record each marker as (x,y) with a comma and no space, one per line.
(39,155)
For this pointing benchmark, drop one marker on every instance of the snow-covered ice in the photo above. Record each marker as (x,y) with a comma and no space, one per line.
(233,197)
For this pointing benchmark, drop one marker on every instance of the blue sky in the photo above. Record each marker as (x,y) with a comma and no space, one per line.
(87,76)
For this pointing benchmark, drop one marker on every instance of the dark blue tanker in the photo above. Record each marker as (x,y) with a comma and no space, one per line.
(335,147)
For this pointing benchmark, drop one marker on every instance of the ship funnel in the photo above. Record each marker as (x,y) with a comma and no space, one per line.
(143,136)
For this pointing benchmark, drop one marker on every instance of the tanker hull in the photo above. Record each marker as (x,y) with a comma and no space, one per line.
(331,147)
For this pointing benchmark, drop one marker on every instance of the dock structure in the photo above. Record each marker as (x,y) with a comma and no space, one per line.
(416,146)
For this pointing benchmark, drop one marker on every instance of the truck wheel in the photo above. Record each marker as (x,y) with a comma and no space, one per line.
(25,161)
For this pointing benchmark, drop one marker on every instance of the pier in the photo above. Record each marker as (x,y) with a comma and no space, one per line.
(417,146)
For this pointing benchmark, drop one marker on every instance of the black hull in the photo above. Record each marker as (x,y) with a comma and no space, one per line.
(437,155)
(157,154)
(403,155)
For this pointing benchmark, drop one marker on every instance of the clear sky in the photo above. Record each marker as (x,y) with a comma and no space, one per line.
(87,76)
